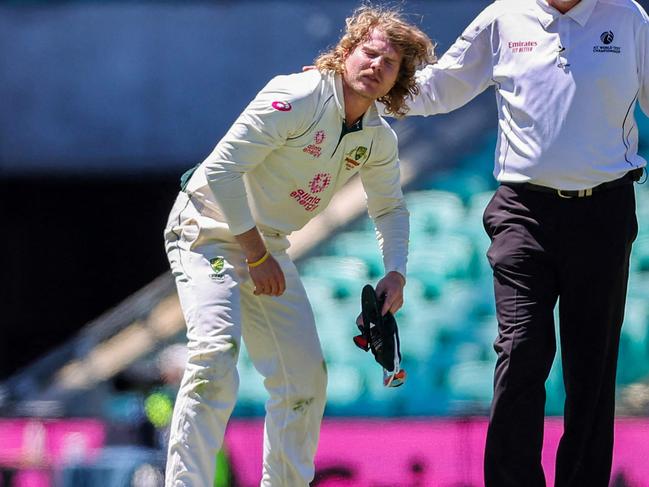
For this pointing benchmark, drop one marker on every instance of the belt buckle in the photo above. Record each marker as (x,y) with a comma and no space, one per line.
(580,193)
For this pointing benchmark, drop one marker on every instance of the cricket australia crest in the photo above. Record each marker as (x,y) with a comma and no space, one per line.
(356,157)
(217,264)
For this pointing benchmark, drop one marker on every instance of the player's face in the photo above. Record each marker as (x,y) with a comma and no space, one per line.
(372,68)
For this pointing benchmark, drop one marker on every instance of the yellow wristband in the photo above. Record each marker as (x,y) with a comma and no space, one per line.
(260,261)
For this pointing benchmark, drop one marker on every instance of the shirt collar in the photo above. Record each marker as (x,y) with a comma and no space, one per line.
(580,13)
(338,93)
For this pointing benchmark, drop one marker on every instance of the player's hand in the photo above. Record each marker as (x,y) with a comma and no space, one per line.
(391,286)
(265,272)
(308,68)
(268,278)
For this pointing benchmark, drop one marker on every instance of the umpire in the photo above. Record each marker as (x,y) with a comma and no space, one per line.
(567,75)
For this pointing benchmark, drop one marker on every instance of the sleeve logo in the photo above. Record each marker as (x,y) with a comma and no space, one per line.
(282,106)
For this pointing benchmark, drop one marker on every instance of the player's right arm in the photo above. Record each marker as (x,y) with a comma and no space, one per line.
(264,270)
(282,109)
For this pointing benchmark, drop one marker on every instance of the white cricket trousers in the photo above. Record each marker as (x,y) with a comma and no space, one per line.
(216,295)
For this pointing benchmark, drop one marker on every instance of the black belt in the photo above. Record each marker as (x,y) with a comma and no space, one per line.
(628,178)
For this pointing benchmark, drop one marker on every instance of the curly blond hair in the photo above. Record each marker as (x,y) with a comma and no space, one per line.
(415,46)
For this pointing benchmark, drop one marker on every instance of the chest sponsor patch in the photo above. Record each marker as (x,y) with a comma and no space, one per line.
(518,47)
(320,182)
(308,199)
(314,149)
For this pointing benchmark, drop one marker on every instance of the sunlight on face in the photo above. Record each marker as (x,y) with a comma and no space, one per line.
(372,68)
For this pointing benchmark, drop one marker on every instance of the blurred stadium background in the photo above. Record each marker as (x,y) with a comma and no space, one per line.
(104,105)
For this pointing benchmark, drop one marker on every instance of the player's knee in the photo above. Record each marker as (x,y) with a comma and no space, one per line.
(212,374)
(315,379)
(309,399)
(222,353)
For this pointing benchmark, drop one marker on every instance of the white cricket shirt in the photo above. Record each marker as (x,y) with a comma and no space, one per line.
(566,87)
(287,154)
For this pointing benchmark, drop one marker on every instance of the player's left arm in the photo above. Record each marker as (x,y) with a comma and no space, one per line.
(386,206)
(391,286)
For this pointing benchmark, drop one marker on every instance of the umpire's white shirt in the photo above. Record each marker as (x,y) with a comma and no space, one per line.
(566,87)
(285,157)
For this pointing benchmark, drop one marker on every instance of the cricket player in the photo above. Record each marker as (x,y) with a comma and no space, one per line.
(300,140)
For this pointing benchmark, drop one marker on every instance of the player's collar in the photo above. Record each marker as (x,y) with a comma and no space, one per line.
(338,93)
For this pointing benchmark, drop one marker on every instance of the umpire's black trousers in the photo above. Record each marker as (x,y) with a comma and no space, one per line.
(576,250)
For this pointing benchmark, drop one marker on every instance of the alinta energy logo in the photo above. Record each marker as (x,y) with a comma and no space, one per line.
(607,39)
(319,182)
(315,149)
(308,199)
